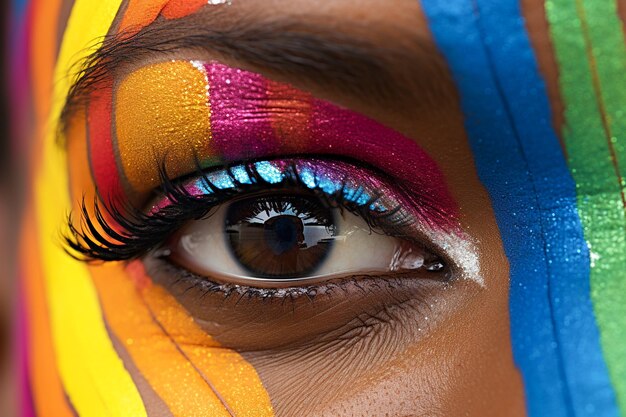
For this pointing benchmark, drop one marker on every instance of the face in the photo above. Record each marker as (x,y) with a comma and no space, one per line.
(347,208)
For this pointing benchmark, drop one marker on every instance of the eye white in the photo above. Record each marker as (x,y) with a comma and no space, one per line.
(202,247)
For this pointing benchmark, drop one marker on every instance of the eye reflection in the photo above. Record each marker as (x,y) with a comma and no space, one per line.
(280,236)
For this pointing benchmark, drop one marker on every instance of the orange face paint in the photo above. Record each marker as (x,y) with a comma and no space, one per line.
(43,53)
(139,14)
(232,377)
(185,366)
(176,9)
(171,376)
(162,114)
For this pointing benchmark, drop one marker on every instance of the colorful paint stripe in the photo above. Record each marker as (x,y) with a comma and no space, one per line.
(17,84)
(246,118)
(49,397)
(139,14)
(593,91)
(606,51)
(231,377)
(102,162)
(92,374)
(170,374)
(43,53)
(519,160)
(26,407)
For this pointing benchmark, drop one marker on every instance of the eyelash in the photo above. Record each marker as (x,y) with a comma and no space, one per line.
(132,233)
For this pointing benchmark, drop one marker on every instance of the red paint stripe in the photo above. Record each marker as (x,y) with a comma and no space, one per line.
(176,9)
(102,155)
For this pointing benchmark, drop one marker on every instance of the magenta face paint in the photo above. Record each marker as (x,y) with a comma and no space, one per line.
(253,117)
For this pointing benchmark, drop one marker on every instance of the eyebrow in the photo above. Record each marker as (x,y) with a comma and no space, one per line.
(311,51)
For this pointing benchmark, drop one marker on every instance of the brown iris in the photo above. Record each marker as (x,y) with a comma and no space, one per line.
(280,236)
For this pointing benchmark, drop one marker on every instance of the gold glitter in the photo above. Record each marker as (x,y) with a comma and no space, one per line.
(236,380)
(162,115)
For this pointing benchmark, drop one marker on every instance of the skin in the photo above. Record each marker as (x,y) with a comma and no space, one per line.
(421,348)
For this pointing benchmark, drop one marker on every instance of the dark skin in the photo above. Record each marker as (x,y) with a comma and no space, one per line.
(423,348)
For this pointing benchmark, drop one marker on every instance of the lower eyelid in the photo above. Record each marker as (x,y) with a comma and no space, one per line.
(313,317)
(323,287)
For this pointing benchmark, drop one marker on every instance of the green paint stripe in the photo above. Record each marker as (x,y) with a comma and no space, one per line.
(588,142)
(605,33)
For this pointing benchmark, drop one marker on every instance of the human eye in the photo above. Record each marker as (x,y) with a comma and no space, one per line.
(276,224)
(295,222)
(336,217)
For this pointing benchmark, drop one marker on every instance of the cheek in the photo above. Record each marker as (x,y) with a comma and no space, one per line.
(184,366)
(447,354)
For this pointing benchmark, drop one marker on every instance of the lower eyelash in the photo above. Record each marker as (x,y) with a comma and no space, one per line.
(329,289)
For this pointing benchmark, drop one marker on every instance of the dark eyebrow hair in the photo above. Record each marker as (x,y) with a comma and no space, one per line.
(307,50)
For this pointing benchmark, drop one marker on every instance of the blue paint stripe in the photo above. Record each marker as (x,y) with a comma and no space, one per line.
(520,161)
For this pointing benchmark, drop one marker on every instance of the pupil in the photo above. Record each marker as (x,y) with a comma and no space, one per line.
(284,233)
(280,236)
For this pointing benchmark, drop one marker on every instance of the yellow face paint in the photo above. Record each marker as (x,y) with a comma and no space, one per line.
(162,115)
(92,374)
(172,354)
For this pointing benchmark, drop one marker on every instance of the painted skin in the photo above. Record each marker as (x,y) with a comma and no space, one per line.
(431,349)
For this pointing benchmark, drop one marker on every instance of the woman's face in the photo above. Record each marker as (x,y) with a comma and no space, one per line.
(346,208)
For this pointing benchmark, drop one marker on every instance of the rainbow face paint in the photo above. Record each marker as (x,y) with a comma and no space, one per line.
(561,218)
(551,251)
(80,361)
(590,49)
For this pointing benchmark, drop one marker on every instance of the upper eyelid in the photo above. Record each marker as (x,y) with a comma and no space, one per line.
(239,115)
(98,228)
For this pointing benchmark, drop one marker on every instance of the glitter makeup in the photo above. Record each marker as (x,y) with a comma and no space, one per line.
(589,46)
(167,122)
(252,117)
(166,345)
(520,161)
